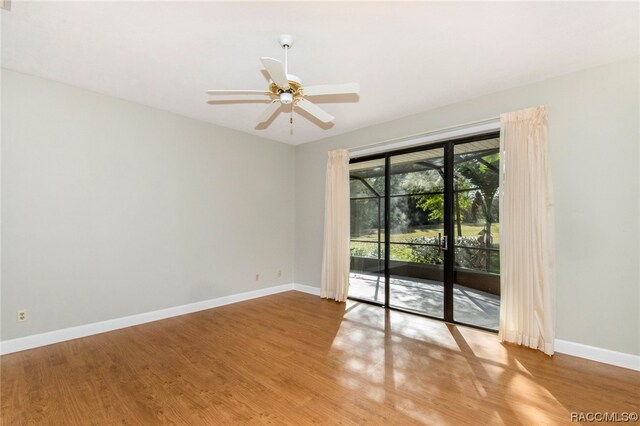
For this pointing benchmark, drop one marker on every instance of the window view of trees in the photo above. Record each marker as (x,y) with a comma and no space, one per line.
(417,211)
(476,181)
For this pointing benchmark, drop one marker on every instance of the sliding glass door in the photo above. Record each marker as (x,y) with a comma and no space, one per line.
(367,185)
(425,235)
(416,227)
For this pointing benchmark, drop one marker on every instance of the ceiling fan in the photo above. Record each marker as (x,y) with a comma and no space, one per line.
(287,89)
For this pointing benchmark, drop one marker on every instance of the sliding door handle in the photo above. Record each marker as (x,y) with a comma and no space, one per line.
(444,242)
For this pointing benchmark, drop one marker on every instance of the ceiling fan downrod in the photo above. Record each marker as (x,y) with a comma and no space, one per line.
(286,41)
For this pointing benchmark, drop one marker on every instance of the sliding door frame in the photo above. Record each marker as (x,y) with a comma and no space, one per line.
(448,276)
(379,156)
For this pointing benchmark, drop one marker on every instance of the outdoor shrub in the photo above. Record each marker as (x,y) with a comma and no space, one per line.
(467,256)
(427,253)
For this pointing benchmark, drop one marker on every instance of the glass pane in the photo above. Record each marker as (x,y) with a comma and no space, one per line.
(357,189)
(416,223)
(367,230)
(365,216)
(477,233)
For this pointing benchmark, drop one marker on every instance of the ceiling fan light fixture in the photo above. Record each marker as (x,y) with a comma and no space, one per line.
(286,98)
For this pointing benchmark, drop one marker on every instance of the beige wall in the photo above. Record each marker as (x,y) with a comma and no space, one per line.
(594,137)
(110,208)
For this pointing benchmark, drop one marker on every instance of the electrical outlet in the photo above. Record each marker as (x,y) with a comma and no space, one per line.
(279,273)
(21,315)
(257,277)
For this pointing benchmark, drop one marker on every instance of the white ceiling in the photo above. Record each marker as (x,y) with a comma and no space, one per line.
(407,57)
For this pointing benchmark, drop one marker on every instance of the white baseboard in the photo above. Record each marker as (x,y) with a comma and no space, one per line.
(594,353)
(306,289)
(56,336)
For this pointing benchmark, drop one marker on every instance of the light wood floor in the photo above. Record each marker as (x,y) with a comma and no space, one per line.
(295,359)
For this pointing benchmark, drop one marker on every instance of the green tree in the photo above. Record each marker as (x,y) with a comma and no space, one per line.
(482,173)
(364,209)
(433,204)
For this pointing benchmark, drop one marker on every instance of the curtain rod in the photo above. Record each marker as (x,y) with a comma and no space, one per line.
(423,134)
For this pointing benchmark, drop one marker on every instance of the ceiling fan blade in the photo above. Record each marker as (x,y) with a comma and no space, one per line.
(269,111)
(314,110)
(331,89)
(235,92)
(276,71)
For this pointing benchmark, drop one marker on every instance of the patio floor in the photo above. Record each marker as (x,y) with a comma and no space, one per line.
(470,306)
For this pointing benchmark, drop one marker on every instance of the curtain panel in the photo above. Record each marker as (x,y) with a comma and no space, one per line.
(527,255)
(336,255)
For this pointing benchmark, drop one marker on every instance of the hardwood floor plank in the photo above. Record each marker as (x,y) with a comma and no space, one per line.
(296,359)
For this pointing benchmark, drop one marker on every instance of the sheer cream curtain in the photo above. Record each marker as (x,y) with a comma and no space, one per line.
(336,256)
(527,309)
